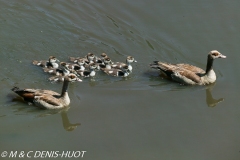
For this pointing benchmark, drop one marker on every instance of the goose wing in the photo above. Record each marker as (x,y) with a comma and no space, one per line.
(118,65)
(40,92)
(47,100)
(163,66)
(31,93)
(112,72)
(191,68)
(185,76)
(166,68)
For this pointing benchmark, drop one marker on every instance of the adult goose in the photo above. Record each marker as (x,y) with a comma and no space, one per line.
(47,99)
(189,74)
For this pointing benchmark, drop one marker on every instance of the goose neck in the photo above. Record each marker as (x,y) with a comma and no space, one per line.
(64,87)
(209,64)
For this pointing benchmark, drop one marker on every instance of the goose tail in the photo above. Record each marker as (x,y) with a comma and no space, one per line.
(72,59)
(35,62)
(154,65)
(15,89)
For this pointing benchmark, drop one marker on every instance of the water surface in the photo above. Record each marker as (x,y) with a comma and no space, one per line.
(140,117)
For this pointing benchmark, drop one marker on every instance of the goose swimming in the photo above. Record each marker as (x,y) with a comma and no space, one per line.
(107,64)
(123,72)
(48,99)
(100,59)
(189,74)
(90,73)
(120,65)
(63,71)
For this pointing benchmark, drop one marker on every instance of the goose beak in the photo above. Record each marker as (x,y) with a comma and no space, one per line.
(79,80)
(222,56)
(76,80)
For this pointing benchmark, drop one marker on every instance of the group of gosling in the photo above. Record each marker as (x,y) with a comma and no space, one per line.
(86,66)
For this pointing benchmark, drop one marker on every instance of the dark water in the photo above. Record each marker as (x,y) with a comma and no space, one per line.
(142,116)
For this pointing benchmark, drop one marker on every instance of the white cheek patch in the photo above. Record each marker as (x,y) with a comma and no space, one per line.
(110,71)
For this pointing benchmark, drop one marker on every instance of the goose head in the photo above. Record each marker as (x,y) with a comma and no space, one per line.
(64,68)
(80,62)
(92,66)
(90,56)
(64,65)
(107,60)
(72,78)
(214,54)
(53,59)
(104,55)
(130,59)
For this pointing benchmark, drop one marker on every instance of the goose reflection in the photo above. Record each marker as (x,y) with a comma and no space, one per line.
(67,125)
(65,120)
(165,86)
(211,102)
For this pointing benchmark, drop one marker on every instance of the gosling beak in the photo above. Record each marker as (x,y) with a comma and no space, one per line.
(79,80)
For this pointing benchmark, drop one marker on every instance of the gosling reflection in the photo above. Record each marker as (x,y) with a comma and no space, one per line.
(211,102)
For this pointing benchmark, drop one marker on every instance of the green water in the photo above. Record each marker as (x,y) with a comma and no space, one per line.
(141,117)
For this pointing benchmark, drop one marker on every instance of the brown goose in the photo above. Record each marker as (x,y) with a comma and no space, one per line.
(47,99)
(189,74)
